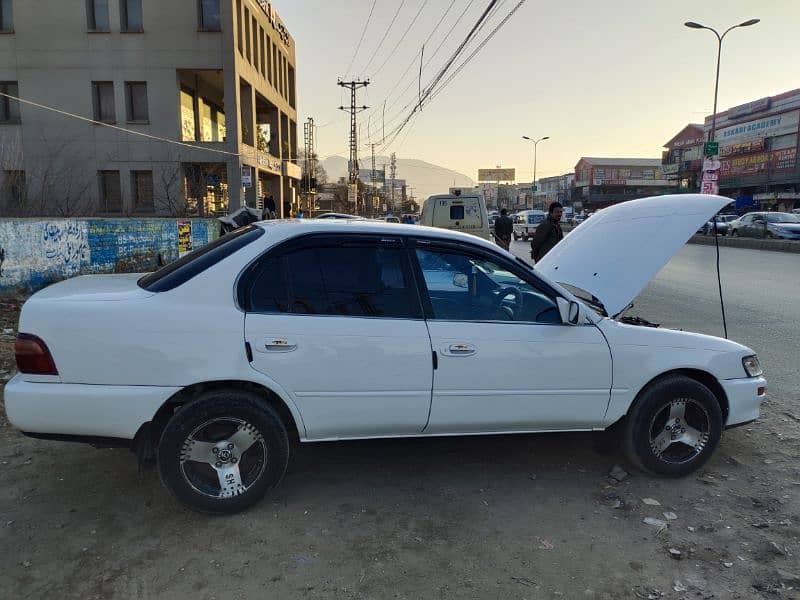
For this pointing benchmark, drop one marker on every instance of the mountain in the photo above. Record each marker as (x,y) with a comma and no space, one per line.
(426,178)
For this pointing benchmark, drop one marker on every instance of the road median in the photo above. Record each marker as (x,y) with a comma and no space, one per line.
(750,243)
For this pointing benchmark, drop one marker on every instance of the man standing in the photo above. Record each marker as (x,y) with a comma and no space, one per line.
(503,228)
(548,233)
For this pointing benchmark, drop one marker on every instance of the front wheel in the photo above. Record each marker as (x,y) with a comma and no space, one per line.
(222,451)
(674,427)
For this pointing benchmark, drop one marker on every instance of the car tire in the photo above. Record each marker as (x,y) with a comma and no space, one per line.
(674,427)
(221,452)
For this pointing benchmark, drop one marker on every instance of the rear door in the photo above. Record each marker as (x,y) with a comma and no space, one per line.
(337,323)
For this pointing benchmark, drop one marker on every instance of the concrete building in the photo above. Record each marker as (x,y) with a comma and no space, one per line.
(758,145)
(600,182)
(554,189)
(217,76)
(682,160)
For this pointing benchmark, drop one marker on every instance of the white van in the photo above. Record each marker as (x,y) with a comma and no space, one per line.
(457,213)
(526,222)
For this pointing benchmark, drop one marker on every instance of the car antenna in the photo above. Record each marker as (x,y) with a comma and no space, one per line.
(719,280)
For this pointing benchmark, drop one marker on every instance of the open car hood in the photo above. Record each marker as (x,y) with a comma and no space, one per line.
(615,253)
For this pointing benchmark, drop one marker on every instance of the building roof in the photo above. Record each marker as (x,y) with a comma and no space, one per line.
(622,162)
(698,127)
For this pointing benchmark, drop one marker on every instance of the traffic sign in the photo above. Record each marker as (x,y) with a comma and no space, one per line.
(711,148)
(534,188)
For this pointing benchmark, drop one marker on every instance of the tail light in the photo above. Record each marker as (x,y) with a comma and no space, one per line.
(33,356)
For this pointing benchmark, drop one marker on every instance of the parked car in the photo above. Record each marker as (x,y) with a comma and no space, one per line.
(767,224)
(526,222)
(333,215)
(325,330)
(722,222)
(390,219)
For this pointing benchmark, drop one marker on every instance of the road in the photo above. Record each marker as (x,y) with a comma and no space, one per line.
(491,517)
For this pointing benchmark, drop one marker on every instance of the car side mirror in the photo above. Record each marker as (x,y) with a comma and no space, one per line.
(570,311)
(461,280)
(759,221)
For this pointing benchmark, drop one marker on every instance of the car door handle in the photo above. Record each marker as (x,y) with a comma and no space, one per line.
(460,350)
(277,345)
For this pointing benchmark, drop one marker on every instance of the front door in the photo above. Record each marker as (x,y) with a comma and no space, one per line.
(505,360)
(336,322)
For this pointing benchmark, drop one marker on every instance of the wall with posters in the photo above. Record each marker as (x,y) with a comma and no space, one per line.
(37,252)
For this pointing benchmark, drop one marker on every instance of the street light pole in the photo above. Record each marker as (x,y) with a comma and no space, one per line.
(693,25)
(535,145)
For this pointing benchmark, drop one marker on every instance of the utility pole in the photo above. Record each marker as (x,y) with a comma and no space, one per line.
(353,109)
(374,188)
(309,163)
(393,173)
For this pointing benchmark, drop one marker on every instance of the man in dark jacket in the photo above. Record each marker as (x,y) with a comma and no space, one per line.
(503,228)
(548,233)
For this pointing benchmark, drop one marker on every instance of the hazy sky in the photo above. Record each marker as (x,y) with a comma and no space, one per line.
(601,78)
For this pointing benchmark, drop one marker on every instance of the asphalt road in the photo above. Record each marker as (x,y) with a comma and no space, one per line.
(761,291)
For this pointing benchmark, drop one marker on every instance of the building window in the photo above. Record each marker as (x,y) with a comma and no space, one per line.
(97,15)
(110,192)
(269,60)
(136,101)
(6,16)
(9,109)
(247,39)
(142,186)
(103,97)
(131,14)
(255,44)
(239,39)
(263,58)
(292,97)
(208,11)
(274,78)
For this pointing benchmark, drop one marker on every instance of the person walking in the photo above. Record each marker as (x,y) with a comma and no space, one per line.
(548,233)
(503,228)
(269,207)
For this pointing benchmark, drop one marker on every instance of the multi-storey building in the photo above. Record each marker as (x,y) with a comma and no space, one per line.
(146,106)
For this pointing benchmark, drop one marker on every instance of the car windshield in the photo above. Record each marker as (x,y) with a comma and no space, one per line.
(782,218)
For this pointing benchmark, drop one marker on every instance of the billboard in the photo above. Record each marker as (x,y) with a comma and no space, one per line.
(365,175)
(757,164)
(783,124)
(496,175)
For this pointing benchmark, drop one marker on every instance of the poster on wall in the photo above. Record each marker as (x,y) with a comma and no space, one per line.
(184,237)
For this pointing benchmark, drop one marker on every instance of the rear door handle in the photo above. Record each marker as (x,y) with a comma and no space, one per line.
(276,344)
(460,349)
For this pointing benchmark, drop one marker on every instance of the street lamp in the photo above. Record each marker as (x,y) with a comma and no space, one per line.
(535,144)
(693,25)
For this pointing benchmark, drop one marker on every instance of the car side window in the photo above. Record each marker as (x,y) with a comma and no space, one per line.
(465,287)
(360,281)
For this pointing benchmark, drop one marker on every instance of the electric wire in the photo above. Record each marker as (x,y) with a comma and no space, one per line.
(385,35)
(361,39)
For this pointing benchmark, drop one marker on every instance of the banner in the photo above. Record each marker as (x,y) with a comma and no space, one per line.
(184,237)
(755,164)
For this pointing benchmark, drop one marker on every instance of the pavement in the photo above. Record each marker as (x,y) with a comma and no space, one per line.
(481,517)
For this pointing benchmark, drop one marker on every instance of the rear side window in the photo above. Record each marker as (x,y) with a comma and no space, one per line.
(457,212)
(182,270)
(357,281)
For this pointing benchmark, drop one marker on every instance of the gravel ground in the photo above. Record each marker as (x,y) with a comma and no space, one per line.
(493,517)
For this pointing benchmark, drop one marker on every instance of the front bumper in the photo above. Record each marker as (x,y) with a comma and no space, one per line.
(71,409)
(744,403)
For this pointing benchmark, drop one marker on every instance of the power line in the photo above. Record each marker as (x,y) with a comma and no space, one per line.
(402,37)
(116,127)
(361,39)
(385,34)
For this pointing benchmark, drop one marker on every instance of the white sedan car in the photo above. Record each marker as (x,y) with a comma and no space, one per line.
(324,330)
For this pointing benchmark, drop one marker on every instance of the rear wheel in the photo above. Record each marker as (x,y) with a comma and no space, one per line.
(674,427)
(221,452)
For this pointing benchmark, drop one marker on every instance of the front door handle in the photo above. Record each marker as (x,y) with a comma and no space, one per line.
(276,344)
(460,349)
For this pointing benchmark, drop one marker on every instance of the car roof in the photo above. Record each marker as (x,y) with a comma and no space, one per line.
(289,228)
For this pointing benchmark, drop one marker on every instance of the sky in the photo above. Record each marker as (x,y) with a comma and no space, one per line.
(601,78)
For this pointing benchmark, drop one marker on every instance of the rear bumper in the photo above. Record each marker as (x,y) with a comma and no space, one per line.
(744,403)
(67,409)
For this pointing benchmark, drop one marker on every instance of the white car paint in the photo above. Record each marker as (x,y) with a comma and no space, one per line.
(616,253)
(122,351)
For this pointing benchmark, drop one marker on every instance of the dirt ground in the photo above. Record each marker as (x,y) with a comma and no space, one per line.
(496,517)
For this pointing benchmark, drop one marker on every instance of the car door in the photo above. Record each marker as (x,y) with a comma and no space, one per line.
(505,360)
(337,323)
(746,228)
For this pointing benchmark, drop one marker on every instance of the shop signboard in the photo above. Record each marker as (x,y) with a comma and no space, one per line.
(755,164)
(772,126)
